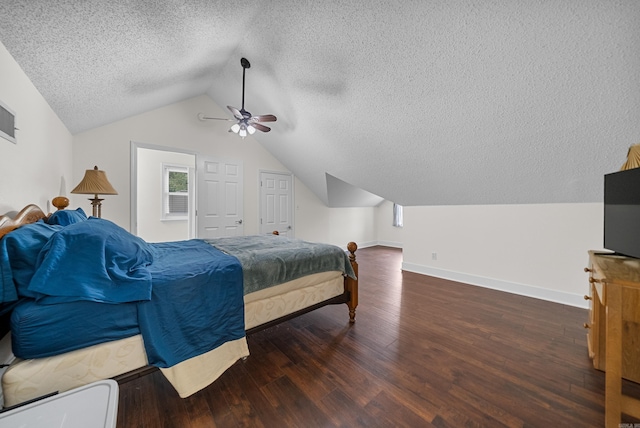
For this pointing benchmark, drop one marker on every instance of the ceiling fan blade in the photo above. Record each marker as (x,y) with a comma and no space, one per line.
(264,118)
(236,112)
(202,117)
(260,127)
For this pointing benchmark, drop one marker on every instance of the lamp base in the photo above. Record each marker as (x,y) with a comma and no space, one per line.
(96,203)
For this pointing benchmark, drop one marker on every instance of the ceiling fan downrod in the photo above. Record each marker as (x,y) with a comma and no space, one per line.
(245,64)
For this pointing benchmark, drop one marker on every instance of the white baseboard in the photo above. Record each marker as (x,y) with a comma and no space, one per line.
(562,297)
(576,300)
(390,244)
(363,244)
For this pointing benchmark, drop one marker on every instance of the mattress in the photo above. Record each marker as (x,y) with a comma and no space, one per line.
(31,378)
(44,330)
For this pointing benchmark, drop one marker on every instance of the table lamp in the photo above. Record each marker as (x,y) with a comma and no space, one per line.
(95,183)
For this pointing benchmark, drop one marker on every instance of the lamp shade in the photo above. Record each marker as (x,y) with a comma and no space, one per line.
(633,158)
(95,182)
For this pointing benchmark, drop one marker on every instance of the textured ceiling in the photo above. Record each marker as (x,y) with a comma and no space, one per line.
(424,102)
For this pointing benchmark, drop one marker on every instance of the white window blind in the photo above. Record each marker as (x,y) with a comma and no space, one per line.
(397,215)
(175,187)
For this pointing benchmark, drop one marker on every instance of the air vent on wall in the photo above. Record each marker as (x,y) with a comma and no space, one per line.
(7,123)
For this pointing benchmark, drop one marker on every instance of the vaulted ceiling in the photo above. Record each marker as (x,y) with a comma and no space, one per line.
(423,102)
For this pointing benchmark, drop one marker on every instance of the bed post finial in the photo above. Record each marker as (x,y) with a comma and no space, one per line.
(60,202)
(352,247)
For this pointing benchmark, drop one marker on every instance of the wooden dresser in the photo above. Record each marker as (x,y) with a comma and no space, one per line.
(614,328)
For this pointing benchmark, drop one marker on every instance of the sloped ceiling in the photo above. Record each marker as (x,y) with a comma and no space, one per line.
(341,194)
(424,102)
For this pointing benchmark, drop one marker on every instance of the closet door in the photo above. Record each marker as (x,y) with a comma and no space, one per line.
(219,202)
(276,203)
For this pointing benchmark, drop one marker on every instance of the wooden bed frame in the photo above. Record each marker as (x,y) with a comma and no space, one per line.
(32,213)
(29,214)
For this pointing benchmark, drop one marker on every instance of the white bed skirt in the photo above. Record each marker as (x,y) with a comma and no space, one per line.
(27,379)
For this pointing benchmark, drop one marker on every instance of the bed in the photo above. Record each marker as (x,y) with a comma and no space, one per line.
(91,301)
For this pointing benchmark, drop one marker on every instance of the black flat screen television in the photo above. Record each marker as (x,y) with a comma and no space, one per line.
(622,212)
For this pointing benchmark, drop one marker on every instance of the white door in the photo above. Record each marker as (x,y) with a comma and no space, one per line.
(276,203)
(219,202)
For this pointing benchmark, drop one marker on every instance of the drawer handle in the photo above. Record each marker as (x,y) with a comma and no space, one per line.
(585,325)
(587,297)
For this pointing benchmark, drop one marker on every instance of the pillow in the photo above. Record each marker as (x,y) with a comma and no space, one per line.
(67,217)
(94,260)
(18,256)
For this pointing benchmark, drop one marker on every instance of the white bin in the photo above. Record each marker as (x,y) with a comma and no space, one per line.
(90,406)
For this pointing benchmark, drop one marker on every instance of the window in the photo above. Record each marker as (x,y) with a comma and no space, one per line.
(175,187)
(397,215)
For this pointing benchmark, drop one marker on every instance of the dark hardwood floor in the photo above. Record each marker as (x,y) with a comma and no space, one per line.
(423,352)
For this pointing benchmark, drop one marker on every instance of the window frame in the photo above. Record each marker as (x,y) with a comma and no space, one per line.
(166,194)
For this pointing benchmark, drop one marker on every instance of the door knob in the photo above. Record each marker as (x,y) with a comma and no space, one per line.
(239,221)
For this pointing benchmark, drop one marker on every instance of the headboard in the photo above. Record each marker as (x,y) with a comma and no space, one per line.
(29,214)
(8,222)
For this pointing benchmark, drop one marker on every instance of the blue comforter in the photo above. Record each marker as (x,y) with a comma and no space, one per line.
(196,303)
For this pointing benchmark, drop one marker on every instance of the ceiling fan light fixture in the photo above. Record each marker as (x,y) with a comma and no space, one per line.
(235,128)
(251,129)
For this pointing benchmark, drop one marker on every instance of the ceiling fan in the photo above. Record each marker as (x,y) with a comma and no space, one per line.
(246,123)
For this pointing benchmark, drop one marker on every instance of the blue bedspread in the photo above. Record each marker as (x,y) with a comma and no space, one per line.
(196,303)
